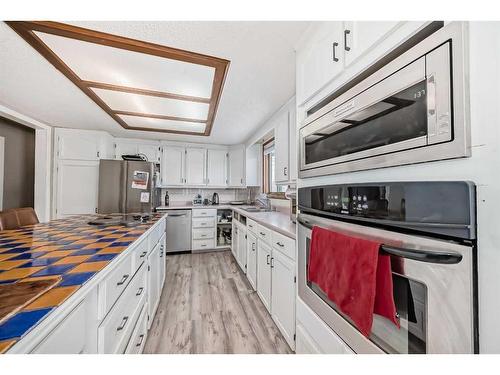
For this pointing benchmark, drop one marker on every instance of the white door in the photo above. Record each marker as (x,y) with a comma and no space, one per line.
(281,147)
(153,282)
(195,166)
(77,186)
(264,273)
(292,162)
(217,168)
(320,60)
(78,145)
(124,148)
(283,295)
(237,167)
(252,259)
(242,248)
(361,36)
(152,152)
(172,166)
(234,243)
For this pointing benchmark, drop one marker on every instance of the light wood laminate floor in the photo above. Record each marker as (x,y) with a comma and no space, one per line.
(208,306)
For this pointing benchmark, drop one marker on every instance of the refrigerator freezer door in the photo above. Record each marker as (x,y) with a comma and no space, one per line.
(112,178)
(139,187)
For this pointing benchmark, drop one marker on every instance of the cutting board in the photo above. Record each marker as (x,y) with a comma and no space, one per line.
(13,297)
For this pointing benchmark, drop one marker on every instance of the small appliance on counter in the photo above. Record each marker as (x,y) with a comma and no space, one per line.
(198,200)
(215,199)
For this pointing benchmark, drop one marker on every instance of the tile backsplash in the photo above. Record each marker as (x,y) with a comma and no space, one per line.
(185,195)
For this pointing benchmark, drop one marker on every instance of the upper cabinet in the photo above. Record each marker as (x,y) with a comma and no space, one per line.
(321,58)
(173,157)
(78,144)
(217,168)
(195,166)
(152,151)
(253,164)
(281,147)
(237,166)
(329,48)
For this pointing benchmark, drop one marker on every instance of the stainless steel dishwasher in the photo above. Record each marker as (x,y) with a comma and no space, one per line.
(178,230)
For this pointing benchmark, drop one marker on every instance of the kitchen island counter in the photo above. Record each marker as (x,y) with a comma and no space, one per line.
(70,251)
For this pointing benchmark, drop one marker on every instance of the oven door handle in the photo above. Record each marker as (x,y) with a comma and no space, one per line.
(427,256)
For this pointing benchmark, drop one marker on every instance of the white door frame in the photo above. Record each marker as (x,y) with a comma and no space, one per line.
(43,160)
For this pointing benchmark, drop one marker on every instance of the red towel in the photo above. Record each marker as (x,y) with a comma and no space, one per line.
(353,275)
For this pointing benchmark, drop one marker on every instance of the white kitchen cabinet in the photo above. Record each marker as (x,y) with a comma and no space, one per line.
(305,344)
(77,187)
(252,259)
(195,166)
(153,282)
(242,247)
(264,273)
(162,260)
(152,152)
(78,144)
(216,168)
(283,295)
(237,167)
(253,165)
(361,36)
(234,241)
(320,59)
(293,161)
(122,148)
(173,166)
(281,147)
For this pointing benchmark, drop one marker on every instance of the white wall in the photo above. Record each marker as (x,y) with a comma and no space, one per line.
(483,168)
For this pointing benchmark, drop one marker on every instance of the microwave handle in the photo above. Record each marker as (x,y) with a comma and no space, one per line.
(427,256)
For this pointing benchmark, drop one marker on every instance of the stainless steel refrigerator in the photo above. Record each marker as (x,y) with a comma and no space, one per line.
(127,186)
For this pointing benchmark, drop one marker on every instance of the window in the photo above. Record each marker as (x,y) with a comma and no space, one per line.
(268,182)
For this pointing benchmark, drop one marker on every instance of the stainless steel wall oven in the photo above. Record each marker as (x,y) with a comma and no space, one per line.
(429,230)
(412,110)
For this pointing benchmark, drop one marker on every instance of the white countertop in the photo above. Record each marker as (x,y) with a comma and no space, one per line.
(275,220)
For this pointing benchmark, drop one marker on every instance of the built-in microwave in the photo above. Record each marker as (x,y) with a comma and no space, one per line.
(412,110)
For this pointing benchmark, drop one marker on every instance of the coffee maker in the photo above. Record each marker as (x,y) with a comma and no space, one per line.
(215,198)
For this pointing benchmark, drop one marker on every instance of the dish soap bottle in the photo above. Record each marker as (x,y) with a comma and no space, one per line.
(167,199)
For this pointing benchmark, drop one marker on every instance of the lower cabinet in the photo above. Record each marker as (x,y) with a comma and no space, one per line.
(264,273)
(138,338)
(153,285)
(242,248)
(252,259)
(305,344)
(283,295)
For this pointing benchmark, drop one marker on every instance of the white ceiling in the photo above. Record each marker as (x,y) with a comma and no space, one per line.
(261,76)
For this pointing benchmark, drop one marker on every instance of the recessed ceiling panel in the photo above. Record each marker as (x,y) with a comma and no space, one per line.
(145,104)
(177,126)
(141,85)
(98,63)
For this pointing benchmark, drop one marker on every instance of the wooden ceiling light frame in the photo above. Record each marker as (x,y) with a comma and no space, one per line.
(27,29)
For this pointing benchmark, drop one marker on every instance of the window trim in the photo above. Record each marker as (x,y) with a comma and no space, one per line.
(265,174)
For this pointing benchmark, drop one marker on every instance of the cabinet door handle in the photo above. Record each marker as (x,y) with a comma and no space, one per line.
(334,48)
(139,291)
(141,339)
(346,32)
(272,262)
(143,254)
(267,259)
(253,247)
(123,324)
(285,170)
(262,234)
(122,281)
(280,244)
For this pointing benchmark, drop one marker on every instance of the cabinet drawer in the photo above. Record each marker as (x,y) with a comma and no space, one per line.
(138,338)
(264,234)
(204,244)
(284,244)
(252,226)
(202,222)
(140,254)
(114,284)
(68,337)
(203,234)
(115,330)
(205,212)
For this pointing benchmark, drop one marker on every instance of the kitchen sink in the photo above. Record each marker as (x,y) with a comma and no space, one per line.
(257,209)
